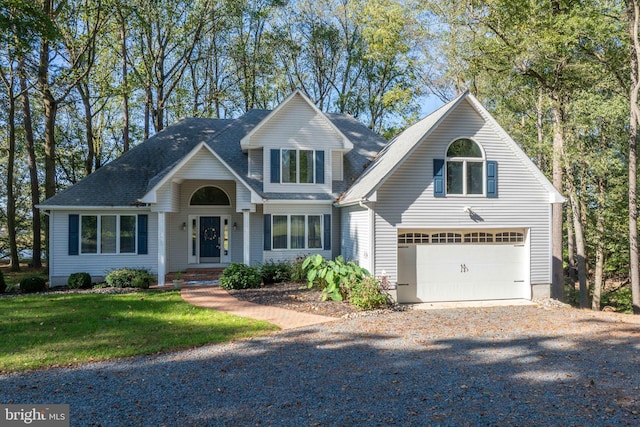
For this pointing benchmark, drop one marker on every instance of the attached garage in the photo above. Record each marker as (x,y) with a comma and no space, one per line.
(462,265)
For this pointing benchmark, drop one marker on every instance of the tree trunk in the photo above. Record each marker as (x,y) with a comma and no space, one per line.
(581,250)
(11,199)
(557,278)
(598,280)
(125,84)
(33,166)
(83,89)
(571,248)
(633,12)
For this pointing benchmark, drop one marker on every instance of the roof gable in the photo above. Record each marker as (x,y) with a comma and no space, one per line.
(294,106)
(404,144)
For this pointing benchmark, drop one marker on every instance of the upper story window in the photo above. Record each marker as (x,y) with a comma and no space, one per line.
(465,168)
(297,166)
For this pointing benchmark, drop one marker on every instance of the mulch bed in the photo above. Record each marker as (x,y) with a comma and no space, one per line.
(295,296)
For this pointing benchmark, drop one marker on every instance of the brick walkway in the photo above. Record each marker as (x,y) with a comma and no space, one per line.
(219,299)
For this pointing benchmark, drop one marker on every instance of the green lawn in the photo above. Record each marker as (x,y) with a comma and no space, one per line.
(39,331)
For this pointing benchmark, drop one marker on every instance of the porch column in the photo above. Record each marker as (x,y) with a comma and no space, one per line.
(246,236)
(162,247)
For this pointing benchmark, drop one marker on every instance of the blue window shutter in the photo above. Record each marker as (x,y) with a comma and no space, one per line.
(143,234)
(438,178)
(492,178)
(319,167)
(275,165)
(327,232)
(267,232)
(74,234)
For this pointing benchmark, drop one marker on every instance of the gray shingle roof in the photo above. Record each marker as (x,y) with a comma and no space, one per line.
(394,154)
(128,178)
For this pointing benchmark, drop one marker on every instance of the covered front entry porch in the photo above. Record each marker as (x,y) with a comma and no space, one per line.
(209,228)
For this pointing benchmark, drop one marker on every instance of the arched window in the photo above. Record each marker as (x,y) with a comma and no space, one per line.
(208,196)
(465,168)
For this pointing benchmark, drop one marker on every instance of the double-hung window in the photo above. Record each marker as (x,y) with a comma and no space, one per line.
(297,166)
(465,168)
(108,234)
(297,232)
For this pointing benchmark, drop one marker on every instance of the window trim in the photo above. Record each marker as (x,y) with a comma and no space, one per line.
(289,236)
(465,170)
(297,165)
(99,234)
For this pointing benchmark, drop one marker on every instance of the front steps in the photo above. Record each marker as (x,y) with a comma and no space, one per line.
(196,275)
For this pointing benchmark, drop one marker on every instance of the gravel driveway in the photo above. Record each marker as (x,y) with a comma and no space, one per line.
(523,365)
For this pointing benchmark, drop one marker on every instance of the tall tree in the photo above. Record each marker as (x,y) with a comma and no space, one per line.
(633,14)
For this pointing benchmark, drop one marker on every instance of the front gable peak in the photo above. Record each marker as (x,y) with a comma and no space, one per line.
(301,114)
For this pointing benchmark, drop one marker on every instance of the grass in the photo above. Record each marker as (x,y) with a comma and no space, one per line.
(65,329)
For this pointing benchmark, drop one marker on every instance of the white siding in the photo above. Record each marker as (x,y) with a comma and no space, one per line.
(62,265)
(336,227)
(256,223)
(337,165)
(203,165)
(243,197)
(354,235)
(406,199)
(255,163)
(296,209)
(297,126)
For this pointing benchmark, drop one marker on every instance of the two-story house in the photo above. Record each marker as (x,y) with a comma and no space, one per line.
(275,185)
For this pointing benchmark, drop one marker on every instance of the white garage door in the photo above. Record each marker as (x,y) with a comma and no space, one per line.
(461,266)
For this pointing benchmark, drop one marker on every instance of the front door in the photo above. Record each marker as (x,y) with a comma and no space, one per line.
(209,239)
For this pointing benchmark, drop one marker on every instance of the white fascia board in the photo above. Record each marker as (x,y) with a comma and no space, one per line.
(151,195)
(245,142)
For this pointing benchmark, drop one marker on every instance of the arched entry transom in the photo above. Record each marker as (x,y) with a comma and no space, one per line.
(209,196)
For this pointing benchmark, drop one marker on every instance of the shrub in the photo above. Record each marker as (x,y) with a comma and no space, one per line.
(33,284)
(368,294)
(335,276)
(298,274)
(79,280)
(129,278)
(620,299)
(3,284)
(272,272)
(240,276)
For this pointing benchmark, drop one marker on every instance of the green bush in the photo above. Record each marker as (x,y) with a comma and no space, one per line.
(272,272)
(240,276)
(620,299)
(3,284)
(368,294)
(79,280)
(129,278)
(334,276)
(33,284)
(298,274)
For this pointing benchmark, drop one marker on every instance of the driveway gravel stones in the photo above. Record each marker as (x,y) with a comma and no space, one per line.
(524,365)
